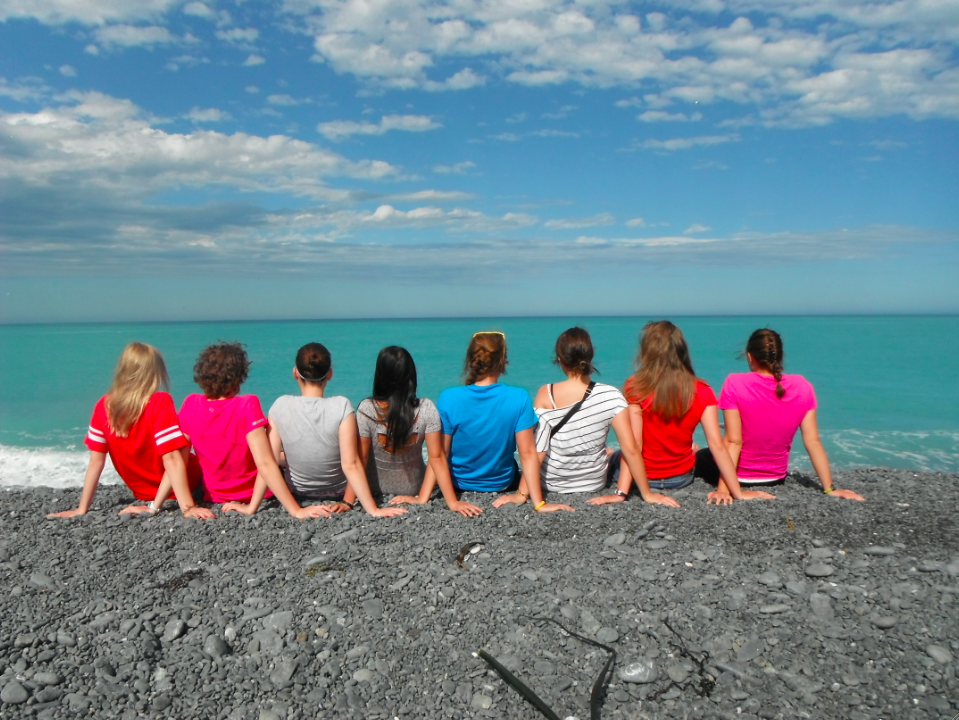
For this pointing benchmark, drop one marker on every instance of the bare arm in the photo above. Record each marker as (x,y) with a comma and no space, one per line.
(269,476)
(175,477)
(276,443)
(633,457)
(820,461)
(98,461)
(356,472)
(733,439)
(526,444)
(727,471)
(439,468)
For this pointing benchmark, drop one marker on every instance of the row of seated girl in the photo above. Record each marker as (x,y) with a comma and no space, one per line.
(314,448)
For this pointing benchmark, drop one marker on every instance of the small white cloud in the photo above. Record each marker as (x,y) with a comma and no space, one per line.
(238,35)
(517,118)
(560,113)
(549,132)
(253,60)
(68,71)
(886,144)
(711,165)
(686,143)
(283,100)
(506,137)
(252,89)
(198,9)
(636,222)
(578,223)
(339,129)
(460,168)
(205,115)
(696,228)
(651,116)
(586,240)
(91,50)
(133,36)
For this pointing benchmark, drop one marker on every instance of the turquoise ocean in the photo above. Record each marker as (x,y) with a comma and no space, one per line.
(887,386)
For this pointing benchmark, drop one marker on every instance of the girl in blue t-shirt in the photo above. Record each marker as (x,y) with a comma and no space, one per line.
(484,422)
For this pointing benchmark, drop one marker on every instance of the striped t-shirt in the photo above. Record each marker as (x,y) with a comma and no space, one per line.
(576,458)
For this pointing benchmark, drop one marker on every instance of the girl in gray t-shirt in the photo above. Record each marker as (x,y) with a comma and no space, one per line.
(393,425)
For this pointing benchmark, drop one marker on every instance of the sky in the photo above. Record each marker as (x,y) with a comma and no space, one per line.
(224,159)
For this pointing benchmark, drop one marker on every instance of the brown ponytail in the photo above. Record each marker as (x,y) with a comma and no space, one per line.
(574,351)
(486,355)
(766,348)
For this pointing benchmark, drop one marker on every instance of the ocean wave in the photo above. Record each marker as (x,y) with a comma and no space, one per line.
(48,467)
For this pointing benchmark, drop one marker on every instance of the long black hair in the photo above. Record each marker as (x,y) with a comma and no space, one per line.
(394,383)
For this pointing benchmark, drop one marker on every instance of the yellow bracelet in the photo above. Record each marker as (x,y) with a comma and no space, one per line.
(828,491)
(539,505)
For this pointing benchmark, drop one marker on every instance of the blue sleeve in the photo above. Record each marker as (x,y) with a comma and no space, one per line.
(527,417)
(442,405)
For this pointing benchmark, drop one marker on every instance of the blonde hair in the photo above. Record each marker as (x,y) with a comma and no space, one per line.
(664,370)
(140,372)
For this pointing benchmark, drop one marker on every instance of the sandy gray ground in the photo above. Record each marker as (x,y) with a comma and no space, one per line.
(806,607)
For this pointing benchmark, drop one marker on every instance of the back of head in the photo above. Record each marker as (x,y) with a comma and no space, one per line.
(574,351)
(664,370)
(486,355)
(221,369)
(140,372)
(313,362)
(766,348)
(394,383)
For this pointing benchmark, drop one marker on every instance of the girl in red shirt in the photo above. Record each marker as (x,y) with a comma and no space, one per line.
(137,425)
(666,403)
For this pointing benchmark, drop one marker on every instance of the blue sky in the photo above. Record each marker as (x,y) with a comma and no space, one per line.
(346,158)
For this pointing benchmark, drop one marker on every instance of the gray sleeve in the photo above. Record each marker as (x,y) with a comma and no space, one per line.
(429,416)
(276,408)
(365,417)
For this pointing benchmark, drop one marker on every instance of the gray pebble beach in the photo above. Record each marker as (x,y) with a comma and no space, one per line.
(805,607)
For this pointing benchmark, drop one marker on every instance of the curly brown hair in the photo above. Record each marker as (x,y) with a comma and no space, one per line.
(221,369)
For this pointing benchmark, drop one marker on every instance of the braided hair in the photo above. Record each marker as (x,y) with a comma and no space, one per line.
(486,355)
(766,348)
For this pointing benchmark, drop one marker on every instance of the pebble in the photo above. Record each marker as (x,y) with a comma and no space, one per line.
(822,606)
(607,635)
(885,622)
(373,607)
(770,579)
(215,647)
(657,544)
(641,671)
(774,609)
(796,588)
(677,672)
(940,654)
(616,539)
(364,675)
(174,629)
(47,678)
(819,570)
(14,693)
(879,550)
(481,702)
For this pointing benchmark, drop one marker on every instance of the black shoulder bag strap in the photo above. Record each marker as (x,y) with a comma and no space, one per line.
(572,411)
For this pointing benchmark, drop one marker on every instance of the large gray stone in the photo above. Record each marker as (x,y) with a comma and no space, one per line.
(819,570)
(939,654)
(822,606)
(215,647)
(279,621)
(642,671)
(14,693)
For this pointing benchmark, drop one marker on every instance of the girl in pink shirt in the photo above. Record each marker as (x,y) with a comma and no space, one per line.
(762,410)
(228,432)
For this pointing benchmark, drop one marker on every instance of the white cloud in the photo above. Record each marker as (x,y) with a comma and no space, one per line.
(460,168)
(198,9)
(696,228)
(782,63)
(207,115)
(516,118)
(85,12)
(125,36)
(651,116)
(68,71)
(284,100)
(252,89)
(254,60)
(636,222)
(340,129)
(559,114)
(579,223)
(685,143)
(239,36)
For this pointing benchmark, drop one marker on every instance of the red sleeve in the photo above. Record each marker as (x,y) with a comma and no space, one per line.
(253,417)
(96,438)
(705,395)
(166,428)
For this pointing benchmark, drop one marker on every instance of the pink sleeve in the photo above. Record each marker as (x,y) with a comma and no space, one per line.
(727,396)
(253,417)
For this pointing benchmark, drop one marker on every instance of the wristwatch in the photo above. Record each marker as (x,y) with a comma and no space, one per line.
(623,495)
(152,507)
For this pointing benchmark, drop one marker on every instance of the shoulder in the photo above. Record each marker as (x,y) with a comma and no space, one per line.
(191,401)
(249,403)
(160,402)
(452,395)
(341,403)
(101,405)
(704,393)
(542,398)
(366,406)
(281,403)
(427,406)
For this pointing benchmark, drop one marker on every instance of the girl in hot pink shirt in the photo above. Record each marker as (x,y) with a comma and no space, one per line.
(762,410)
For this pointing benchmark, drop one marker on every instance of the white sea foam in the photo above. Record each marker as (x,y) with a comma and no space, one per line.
(33,467)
